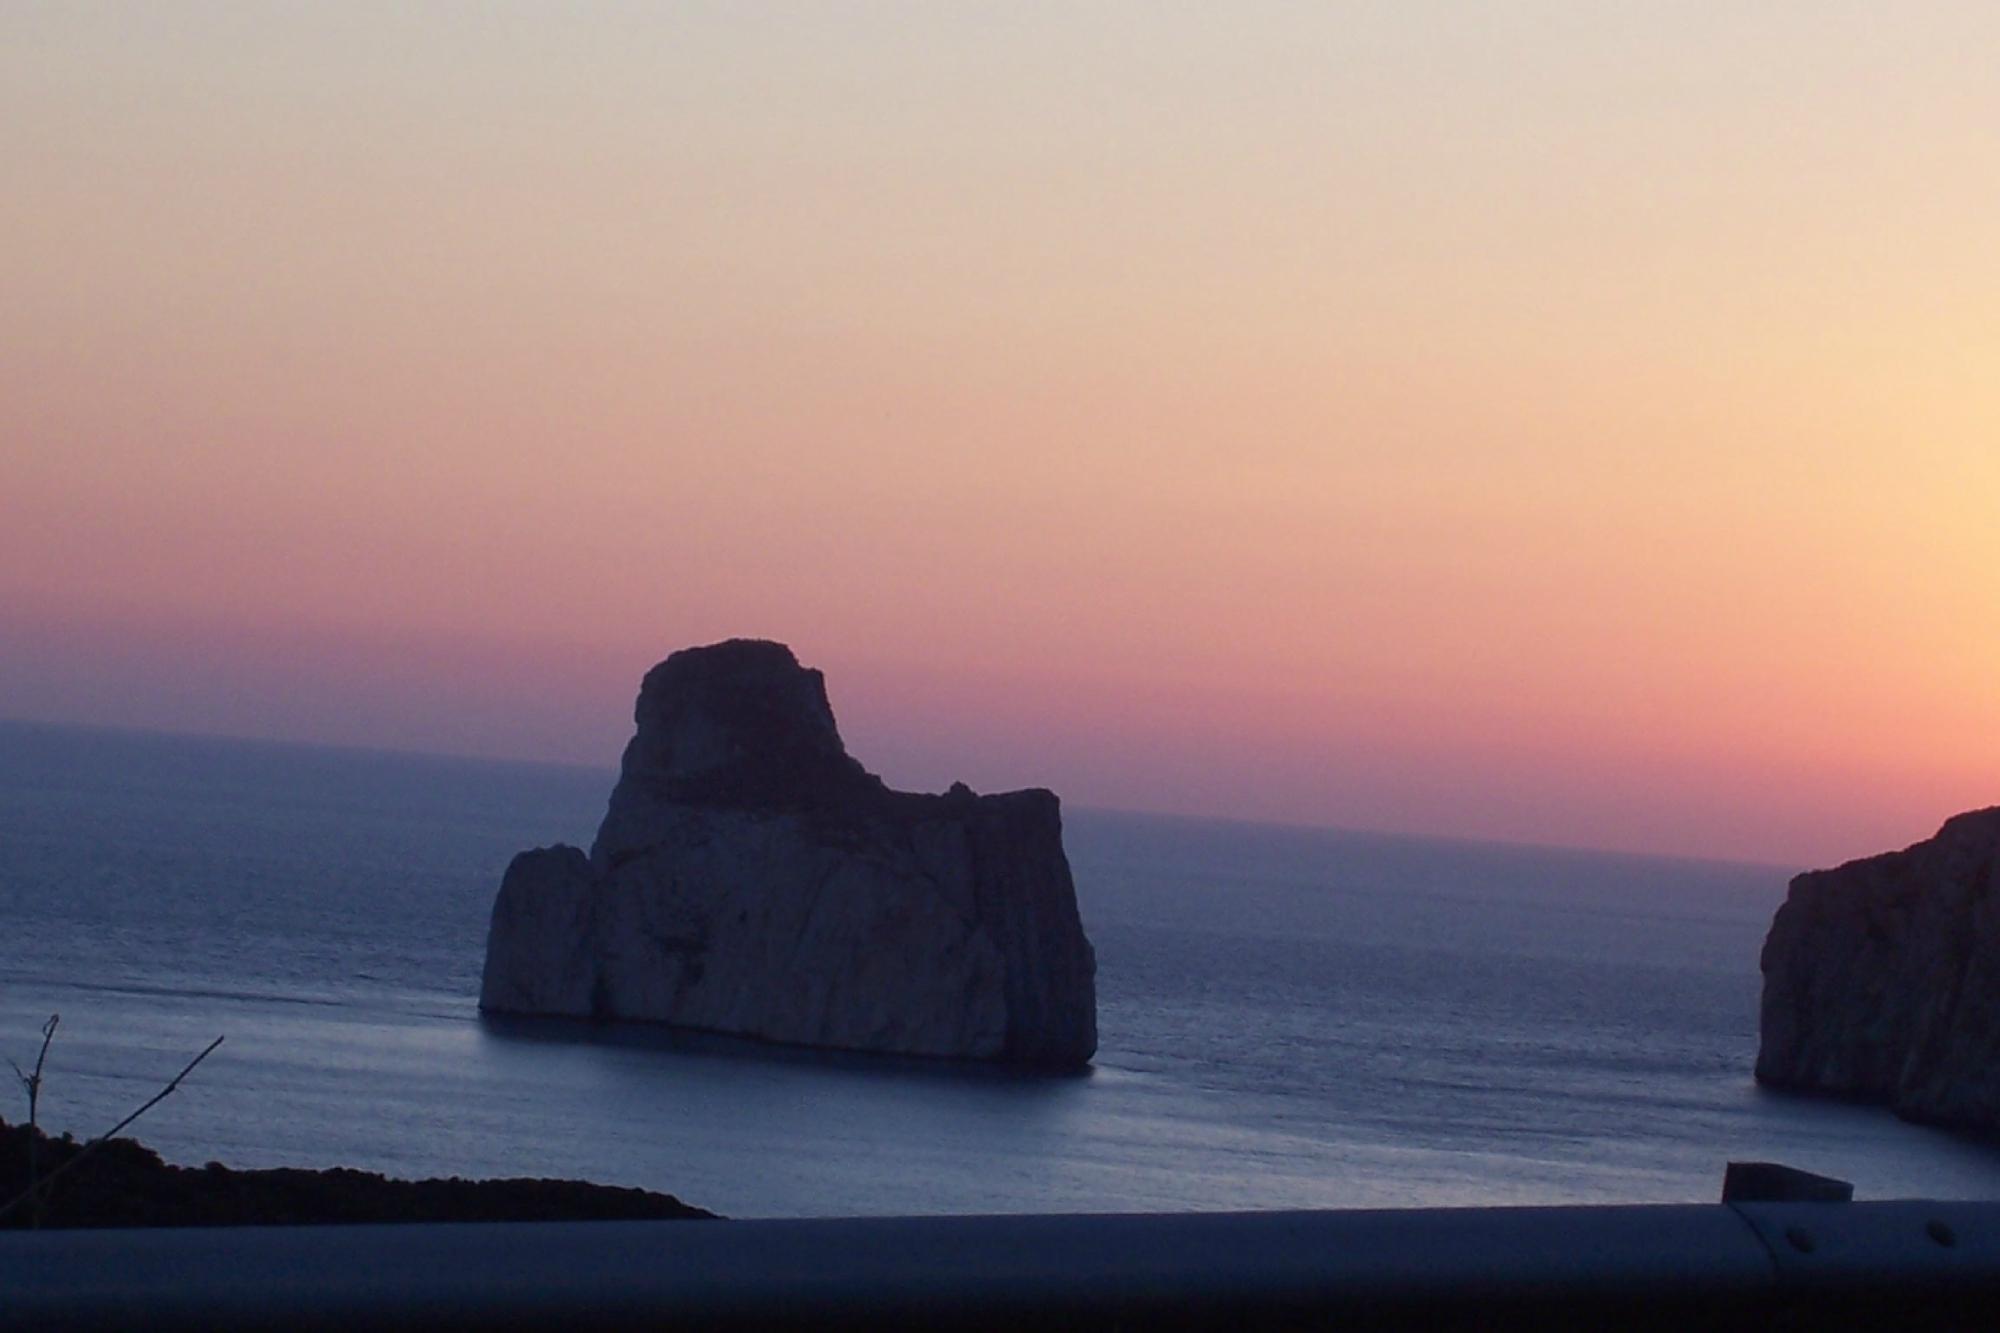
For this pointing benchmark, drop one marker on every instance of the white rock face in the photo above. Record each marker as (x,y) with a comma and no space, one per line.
(750,878)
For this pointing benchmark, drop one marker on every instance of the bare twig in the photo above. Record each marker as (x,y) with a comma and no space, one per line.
(109,1134)
(33,1083)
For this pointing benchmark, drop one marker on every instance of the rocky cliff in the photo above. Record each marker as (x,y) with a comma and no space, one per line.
(750,877)
(1882,979)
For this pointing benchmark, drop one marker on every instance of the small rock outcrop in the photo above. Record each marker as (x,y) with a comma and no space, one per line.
(751,878)
(1882,979)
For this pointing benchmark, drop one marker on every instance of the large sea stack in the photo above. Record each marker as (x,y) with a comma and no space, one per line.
(751,878)
(1882,979)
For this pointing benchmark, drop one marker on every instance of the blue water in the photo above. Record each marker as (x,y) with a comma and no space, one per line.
(1288,1018)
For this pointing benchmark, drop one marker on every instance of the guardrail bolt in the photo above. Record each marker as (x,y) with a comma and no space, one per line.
(1941,1233)
(1801,1239)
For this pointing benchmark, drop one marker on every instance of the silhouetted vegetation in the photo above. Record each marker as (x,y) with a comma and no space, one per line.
(114,1182)
(126,1184)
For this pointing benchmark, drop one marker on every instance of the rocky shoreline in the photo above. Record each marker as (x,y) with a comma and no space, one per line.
(1882,980)
(126,1184)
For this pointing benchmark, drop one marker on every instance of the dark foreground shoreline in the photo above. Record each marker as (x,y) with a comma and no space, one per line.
(126,1184)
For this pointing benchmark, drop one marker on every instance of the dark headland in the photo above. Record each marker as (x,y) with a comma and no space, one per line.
(1882,980)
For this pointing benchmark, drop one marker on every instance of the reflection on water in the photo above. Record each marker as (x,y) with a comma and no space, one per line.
(720,1046)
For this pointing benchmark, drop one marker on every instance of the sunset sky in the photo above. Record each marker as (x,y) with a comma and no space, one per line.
(1563,422)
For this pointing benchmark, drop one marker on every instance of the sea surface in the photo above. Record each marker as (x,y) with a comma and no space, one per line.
(1288,1018)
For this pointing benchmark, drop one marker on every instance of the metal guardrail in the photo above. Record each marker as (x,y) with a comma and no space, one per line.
(1768,1265)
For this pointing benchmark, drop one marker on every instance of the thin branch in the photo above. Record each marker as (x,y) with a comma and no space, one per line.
(157,1097)
(33,1083)
(111,1133)
(48,1035)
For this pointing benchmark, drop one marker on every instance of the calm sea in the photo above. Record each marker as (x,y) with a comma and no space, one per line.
(1288,1018)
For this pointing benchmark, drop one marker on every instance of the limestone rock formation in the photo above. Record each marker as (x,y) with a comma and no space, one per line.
(751,878)
(1882,979)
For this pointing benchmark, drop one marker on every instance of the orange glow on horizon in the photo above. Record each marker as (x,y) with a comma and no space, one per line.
(1577,428)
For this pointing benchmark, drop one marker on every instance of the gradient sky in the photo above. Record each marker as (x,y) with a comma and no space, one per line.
(1565,422)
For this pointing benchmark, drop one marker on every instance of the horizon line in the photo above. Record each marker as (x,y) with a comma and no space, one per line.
(1349,830)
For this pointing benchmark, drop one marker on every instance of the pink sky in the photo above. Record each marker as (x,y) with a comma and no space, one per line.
(1564,423)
